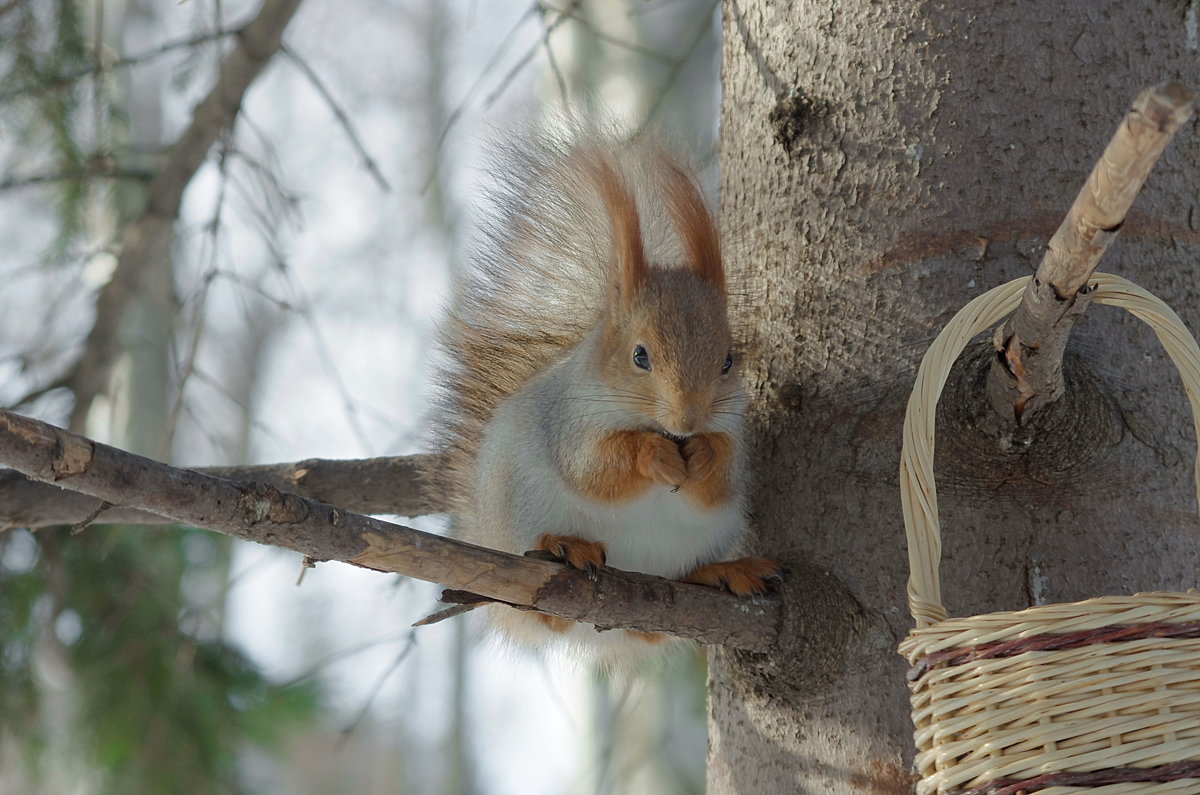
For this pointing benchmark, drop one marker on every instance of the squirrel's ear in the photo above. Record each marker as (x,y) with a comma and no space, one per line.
(693,223)
(621,207)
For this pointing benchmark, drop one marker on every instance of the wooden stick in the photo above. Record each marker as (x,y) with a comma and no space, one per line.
(262,513)
(1027,371)
(401,485)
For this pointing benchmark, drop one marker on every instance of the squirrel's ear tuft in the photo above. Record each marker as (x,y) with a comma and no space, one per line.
(693,223)
(621,207)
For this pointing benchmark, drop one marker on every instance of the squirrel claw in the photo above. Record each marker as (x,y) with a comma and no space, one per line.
(575,551)
(744,577)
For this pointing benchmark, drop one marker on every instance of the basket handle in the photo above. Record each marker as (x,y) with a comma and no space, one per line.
(918,495)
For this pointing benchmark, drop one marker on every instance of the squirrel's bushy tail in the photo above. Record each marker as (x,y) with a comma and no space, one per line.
(536,282)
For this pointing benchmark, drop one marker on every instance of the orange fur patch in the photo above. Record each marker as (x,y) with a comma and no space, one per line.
(578,552)
(744,577)
(621,206)
(694,224)
(626,463)
(708,457)
(647,637)
(553,623)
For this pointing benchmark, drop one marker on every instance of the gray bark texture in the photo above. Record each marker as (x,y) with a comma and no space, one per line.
(883,163)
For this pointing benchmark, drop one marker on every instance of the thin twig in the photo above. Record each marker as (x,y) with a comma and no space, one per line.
(347,126)
(330,366)
(78,175)
(80,526)
(200,302)
(35,393)
(677,68)
(67,78)
(1027,371)
(333,657)
(306,563)
(524,60)
(608,38)
(378,686)
(451,612)
(554,67)
(484,74)
(98,75)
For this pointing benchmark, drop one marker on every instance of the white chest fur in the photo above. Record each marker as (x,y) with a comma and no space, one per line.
(658,532)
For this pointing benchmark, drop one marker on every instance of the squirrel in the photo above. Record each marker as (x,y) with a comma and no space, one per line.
(593,404)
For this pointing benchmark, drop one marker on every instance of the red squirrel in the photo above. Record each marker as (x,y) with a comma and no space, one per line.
(594,405)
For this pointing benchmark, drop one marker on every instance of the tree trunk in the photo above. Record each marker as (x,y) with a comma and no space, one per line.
(883,163)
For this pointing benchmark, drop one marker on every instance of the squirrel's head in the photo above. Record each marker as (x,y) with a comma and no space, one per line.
(666,347)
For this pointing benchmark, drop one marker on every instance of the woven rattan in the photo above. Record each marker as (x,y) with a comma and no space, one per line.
(1099,697)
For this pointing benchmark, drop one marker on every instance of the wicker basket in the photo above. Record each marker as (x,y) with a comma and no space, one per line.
(1100,696)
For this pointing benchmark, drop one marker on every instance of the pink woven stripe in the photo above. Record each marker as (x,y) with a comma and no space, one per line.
(1071,640)
(1176,771)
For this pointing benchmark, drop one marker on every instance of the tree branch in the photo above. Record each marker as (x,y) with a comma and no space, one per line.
(65,79)
(395,485)
(257,42)
(1027,371)
(98,169)
(342,117)
(262,513)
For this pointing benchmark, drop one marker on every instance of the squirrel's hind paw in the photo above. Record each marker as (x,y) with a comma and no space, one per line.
(578,552)
(744,577)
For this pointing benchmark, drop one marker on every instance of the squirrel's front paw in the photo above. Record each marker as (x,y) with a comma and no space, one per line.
(707,457)
(659,460)
(744,577)
(578,552)
(700,457)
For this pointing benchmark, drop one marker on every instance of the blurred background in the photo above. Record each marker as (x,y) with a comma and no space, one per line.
(288,316)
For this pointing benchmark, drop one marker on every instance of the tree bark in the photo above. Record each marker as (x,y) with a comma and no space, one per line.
(881,165)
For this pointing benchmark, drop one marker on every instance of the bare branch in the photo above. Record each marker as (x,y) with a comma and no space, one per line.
(1027,371)
(102,170)
(561,81)
(67,78)
(87,521)
(572,11)
(264,514)
(368,162)
(485,74)
(379,683)
(454,610)
(518,67)
(398,485)
(677,67)
(147,235)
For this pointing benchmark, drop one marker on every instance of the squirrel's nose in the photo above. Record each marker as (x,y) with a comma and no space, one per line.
(688,421)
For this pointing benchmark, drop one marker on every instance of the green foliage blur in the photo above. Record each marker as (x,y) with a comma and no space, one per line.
(161,704)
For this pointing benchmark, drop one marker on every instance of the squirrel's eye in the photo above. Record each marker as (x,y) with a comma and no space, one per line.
(728,363)
(641,358)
